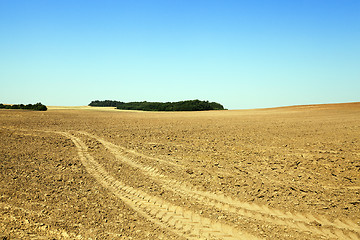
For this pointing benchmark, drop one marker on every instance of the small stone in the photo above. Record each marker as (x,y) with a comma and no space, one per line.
(315,223)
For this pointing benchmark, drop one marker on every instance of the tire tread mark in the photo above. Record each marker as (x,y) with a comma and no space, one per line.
(298,221)
(155,209)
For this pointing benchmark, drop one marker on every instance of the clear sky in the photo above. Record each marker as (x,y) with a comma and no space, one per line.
(240,53)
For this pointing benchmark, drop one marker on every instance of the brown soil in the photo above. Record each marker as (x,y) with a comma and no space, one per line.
(285,173)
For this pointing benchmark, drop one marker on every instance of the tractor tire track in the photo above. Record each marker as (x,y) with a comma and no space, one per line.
(177,219)
(344,229)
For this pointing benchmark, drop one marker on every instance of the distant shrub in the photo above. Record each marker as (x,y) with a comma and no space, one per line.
(35,107)
(189,105)
(39,107)
(105,103)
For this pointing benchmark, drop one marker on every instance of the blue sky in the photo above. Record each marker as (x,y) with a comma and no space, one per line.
(243,54)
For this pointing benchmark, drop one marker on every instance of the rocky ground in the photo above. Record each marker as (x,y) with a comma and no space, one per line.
(286,173)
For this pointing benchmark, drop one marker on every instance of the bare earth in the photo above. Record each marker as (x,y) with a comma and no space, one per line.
(283,173)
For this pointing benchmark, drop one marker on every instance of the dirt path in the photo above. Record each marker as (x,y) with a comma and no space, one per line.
(175,218)
(318,225)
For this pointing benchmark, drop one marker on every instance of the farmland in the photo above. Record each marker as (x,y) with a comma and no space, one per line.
(101,173)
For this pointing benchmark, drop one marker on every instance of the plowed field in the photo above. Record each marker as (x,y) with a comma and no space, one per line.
(98,173)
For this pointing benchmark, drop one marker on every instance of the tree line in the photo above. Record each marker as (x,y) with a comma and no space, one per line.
(188,105)
(35,107)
